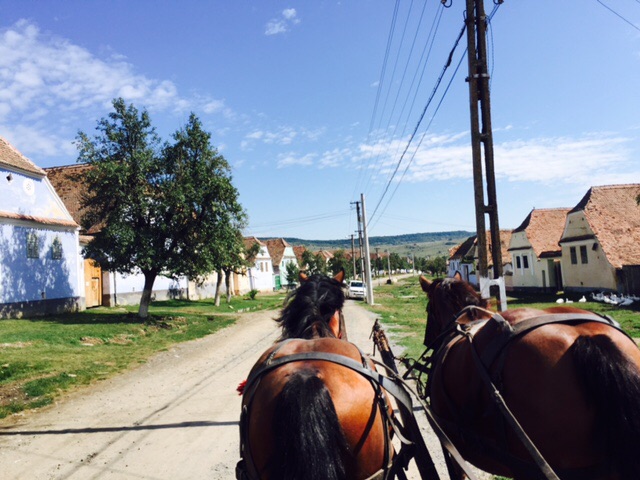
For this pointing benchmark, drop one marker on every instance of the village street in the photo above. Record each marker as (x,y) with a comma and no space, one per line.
(175,417)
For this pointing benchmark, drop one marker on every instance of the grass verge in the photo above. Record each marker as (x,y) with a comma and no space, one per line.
(41,358)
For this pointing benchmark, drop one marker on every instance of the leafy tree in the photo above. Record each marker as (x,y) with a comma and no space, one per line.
(341,262)
(437,265)
(163,210)
(292,273)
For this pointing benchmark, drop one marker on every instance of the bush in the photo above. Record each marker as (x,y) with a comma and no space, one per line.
(252,294)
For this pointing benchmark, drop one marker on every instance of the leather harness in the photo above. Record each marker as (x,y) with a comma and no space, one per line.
(246,469)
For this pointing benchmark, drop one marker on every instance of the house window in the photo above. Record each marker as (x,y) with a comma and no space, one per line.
(518,262)
(56,249)
(33,245)
(574,256)
(525,261)
(583,254)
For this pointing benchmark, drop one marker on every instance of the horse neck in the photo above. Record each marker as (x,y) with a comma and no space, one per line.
(317,329)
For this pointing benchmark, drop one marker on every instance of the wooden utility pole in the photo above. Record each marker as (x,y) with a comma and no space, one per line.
(482,142)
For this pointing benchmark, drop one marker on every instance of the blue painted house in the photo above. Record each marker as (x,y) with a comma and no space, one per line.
(40,266)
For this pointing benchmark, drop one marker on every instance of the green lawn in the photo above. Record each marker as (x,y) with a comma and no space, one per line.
(42,357)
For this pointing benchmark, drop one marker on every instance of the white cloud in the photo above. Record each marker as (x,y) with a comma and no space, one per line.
(547,160)
(290,159)
(48,77)
(44,70)
(282,24)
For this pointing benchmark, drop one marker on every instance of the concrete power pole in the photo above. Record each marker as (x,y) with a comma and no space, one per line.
(482,140)
(367,256)
(353,256)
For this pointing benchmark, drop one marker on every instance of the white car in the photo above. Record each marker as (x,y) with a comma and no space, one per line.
(356,289)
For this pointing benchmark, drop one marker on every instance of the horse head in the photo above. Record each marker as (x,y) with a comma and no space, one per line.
(314,308)
(446,298)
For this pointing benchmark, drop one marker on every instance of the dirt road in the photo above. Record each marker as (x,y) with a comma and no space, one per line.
(175,417)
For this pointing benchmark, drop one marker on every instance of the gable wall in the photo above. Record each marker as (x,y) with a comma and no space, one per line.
(597,273)
(41,285)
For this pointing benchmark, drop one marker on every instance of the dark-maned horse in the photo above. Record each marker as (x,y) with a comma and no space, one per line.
(311,418)
(570,377)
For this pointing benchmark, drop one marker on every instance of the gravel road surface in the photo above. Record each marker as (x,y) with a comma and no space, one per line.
(174,417)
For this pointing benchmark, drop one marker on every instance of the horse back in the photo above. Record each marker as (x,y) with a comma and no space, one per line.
(541,376)
(335,391)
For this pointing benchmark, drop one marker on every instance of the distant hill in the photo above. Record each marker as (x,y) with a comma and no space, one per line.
(420,244)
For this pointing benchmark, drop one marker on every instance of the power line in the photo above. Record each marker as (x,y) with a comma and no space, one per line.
(380,83)
(424,111)
(423,58)
(489,18)
(618,15)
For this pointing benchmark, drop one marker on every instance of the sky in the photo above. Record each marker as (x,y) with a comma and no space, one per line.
(318,104)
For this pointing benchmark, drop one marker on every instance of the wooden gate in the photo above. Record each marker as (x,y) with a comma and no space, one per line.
(92,283)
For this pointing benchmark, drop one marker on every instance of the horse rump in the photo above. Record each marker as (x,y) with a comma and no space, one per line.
(309,441)
(612,385)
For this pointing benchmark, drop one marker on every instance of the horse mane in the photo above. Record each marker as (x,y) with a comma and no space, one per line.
(309,308)
(456,295)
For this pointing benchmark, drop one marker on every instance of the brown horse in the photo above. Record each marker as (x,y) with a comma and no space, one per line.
(312,417)
(569,377)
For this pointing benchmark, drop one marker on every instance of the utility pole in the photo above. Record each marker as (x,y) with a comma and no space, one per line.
(367,256)
(482,142)
(360,240)
(389,265)
(353,256)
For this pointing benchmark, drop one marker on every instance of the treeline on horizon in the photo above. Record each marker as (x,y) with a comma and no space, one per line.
(406,239)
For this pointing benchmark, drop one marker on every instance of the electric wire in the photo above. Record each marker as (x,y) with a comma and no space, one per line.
(424,111)
(373,221)
(424,60)
(618,15)
(417,148)
(379,89)
(414,97)
(393,74)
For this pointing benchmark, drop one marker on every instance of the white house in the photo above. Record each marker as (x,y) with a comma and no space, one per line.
(40,271)
(260,275)
(281,254)
(601,241)
(536,252)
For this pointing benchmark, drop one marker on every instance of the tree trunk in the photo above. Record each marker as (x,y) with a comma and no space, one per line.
(227,284)
(145,300)
(218,285)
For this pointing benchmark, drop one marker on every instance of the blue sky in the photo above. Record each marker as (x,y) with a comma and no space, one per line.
(300,101)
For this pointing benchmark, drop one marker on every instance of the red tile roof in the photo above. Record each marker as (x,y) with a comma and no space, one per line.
(469,248)
(614,216)
(276,249)
(544,227)
(12,158)
(298,250)
(70,187)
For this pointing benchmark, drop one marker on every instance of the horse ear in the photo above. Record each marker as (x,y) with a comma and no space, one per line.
(457,276)
(302,277)
(339,277)
(425,283)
